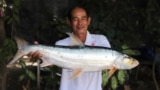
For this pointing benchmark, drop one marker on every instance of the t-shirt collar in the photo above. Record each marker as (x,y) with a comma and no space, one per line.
(89,39)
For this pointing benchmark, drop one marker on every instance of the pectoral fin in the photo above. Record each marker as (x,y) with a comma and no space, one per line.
(76,73)
(112,71)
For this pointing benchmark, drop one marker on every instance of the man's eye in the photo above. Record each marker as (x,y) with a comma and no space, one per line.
(74,19)
(84,18)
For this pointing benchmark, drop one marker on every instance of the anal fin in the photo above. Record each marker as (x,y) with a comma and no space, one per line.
(112,71)
(76,73)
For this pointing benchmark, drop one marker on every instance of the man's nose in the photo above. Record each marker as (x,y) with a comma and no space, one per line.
(79,22)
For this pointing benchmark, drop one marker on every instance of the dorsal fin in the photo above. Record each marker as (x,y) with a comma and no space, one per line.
(75,41)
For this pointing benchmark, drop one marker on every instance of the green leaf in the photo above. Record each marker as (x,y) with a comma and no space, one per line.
(31,74)
(21,77)
(114,82)
(22,63)
(121,76)
(125,47)
(104,78)
(131,52)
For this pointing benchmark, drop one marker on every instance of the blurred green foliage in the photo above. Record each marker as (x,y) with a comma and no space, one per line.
(7,50)
(126,22)
(28,73)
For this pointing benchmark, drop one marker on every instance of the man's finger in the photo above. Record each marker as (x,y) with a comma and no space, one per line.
(36,54)
(30,54)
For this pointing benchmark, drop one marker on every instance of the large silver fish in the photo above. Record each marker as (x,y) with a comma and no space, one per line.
(77,58)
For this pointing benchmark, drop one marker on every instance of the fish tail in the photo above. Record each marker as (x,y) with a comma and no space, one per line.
(18,55)
(21,43)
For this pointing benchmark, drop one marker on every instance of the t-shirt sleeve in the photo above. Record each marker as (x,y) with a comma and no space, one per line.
(105,42)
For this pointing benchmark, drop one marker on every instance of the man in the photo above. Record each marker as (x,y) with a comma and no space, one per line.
(79,20)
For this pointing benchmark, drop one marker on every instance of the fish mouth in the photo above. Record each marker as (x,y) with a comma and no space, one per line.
(131,62)
(134,63)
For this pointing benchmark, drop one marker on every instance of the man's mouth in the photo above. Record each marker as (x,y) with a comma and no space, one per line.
(80,27)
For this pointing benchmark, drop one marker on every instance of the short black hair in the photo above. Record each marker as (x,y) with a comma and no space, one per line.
(69,15)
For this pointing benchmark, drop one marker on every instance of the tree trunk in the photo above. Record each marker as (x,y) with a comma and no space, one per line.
(3,68)
(2,32)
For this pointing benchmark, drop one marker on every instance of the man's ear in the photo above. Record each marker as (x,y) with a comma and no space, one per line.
(68,22)
(89,20)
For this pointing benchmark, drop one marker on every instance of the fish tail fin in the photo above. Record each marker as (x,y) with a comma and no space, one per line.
(18,55)
(21,43)
(75,41)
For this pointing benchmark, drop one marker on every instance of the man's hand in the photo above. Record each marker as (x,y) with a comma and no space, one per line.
(35,54)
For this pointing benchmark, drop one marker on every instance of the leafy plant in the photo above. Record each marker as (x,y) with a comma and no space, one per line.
(28,74)
(7,50)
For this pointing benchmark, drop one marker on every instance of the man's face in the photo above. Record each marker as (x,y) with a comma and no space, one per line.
(79,21)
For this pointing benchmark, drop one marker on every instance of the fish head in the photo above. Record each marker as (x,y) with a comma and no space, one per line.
(127,62)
